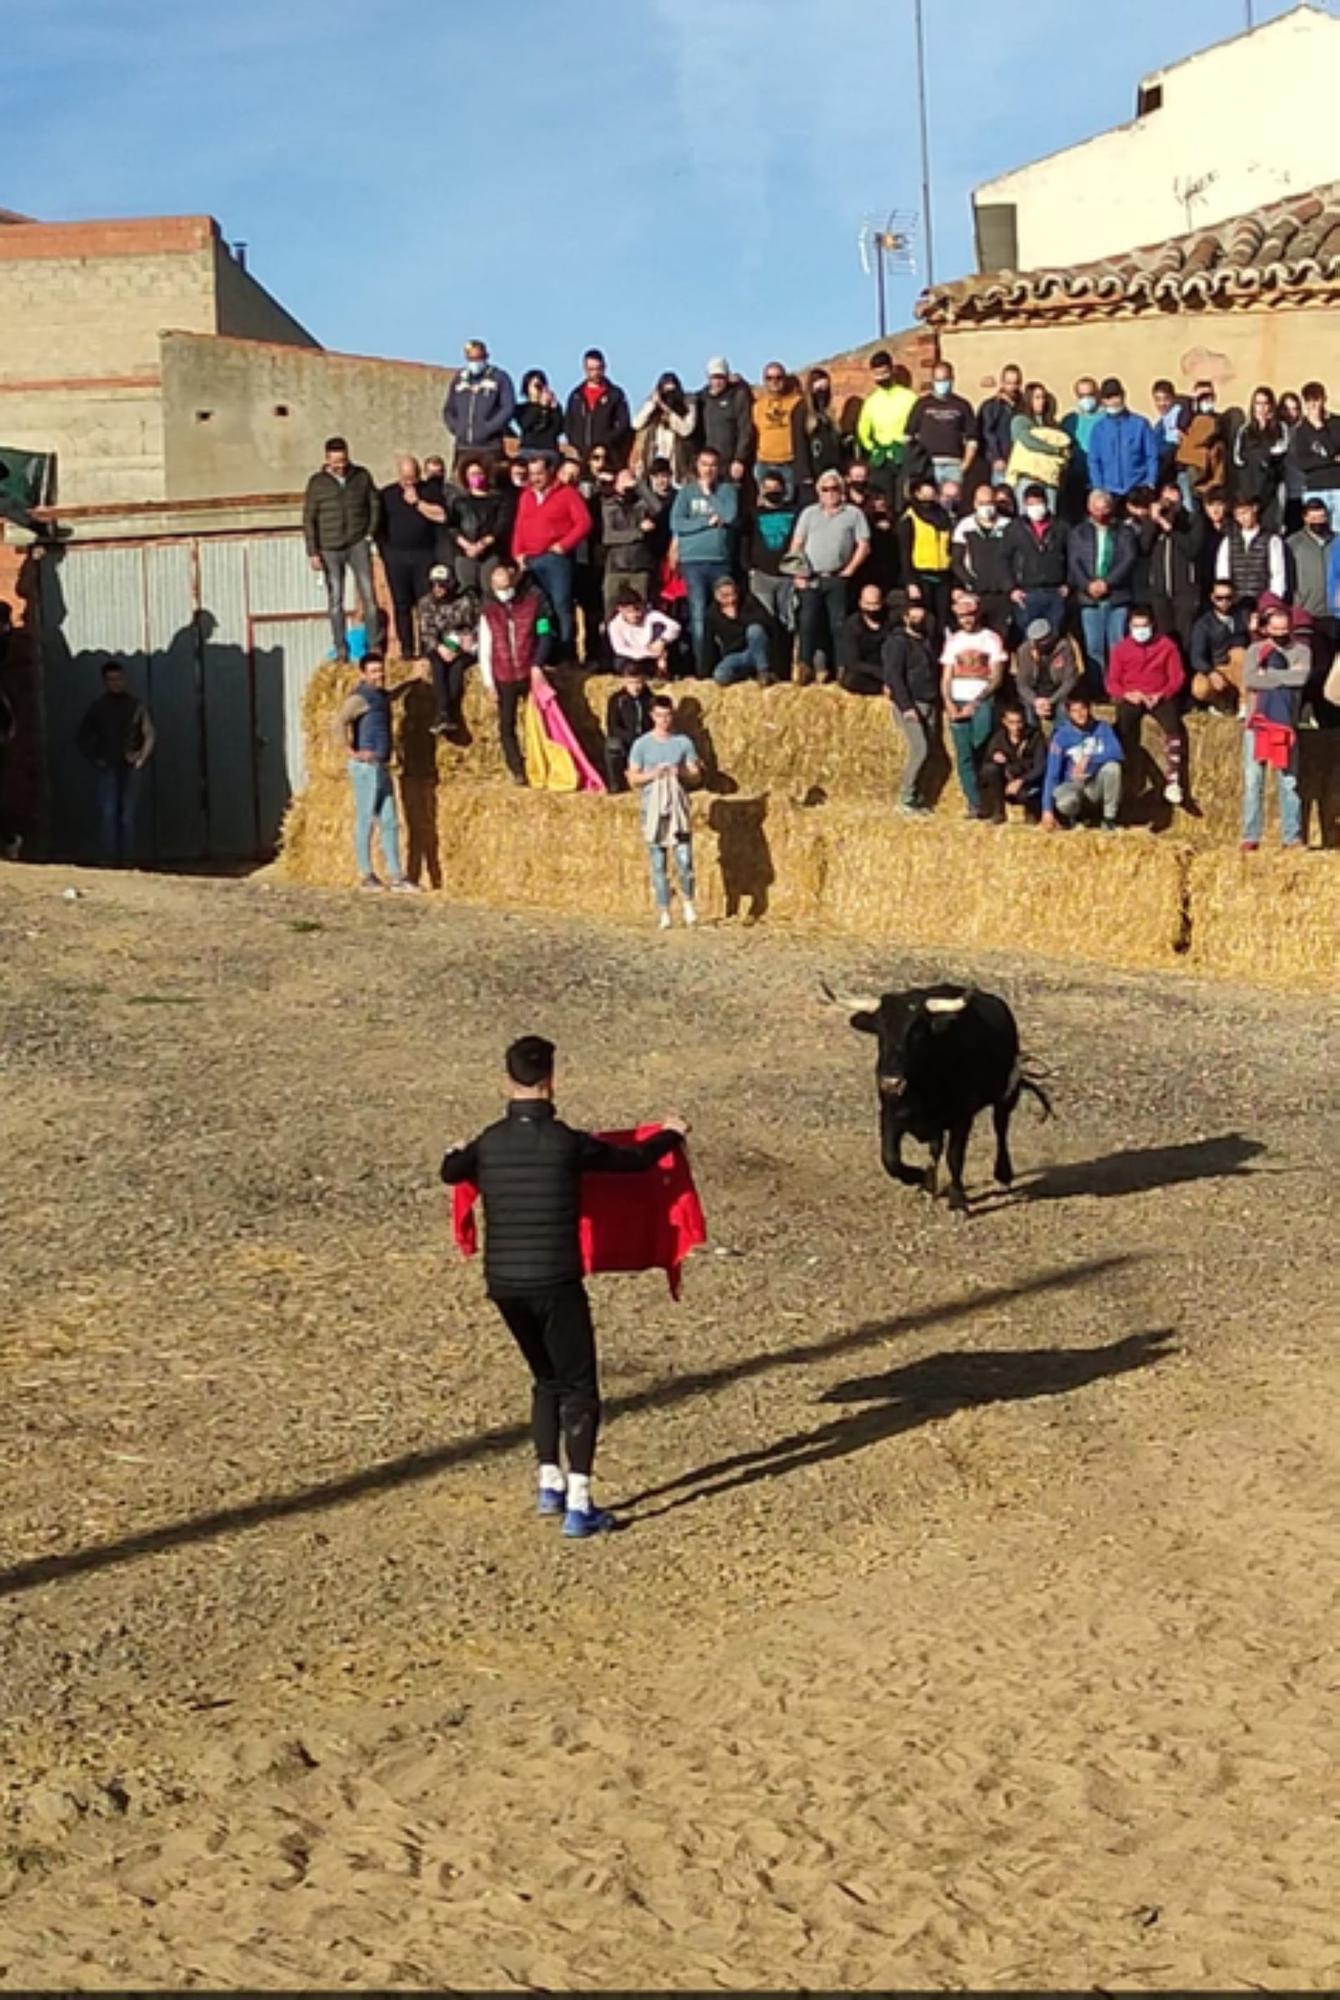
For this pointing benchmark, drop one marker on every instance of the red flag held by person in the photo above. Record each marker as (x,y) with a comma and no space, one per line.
(647,1222)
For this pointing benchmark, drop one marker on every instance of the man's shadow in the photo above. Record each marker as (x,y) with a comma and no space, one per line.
(922,1392)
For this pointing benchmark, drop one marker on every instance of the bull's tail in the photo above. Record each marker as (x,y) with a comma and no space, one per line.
(1031,1081)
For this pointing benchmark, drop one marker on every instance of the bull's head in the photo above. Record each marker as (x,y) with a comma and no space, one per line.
(896,1020)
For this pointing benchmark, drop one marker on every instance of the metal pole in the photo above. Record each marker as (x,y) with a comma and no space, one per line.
(1250,22)
(879,285)
(926,222)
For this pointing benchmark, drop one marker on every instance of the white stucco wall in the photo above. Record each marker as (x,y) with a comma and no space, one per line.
(1233,117)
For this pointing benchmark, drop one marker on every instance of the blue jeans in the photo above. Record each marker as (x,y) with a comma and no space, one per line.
(1048,604)
(748,665)
(950,468)
(1254,795)
(554,576)
(970,738)
(660,872)
(1102,625)
(374,801)
(118,796)
(700,580)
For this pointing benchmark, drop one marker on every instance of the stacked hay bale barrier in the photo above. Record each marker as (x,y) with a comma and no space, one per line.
(796,827)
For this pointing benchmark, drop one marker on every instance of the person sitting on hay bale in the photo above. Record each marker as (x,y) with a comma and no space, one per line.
(1083,768)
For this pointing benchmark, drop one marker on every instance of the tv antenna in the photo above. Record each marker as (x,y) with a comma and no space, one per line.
(887,247)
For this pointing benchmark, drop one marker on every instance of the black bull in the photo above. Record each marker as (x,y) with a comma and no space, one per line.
(945,1053)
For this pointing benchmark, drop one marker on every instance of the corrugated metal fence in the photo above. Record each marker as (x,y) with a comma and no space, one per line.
(219,635)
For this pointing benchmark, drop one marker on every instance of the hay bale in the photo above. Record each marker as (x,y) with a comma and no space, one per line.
(1117,898)
(1272,916)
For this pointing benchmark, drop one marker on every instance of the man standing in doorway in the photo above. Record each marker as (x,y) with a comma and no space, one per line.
(117,737)
(363,725)
(528,1169)
(341,515)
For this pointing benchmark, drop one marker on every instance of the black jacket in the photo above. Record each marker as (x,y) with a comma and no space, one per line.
(994,433)
(1036,562)
(861,653)
(910,671)
(1175,559)
(982,561)
(1082,555)
(338,514)
(539,426)
(628,545)
(627,716)
(726,423)
(606,422)
(528,1169)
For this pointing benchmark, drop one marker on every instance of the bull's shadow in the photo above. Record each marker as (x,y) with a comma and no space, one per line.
(1142,1169)
(922,1392)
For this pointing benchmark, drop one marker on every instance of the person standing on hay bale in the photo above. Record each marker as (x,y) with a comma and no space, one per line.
(913,681)
(973,660)
(516,633)
(528,1169)
(1274,674)
(363,726)
(658,765)
(1083,768)
(449,634)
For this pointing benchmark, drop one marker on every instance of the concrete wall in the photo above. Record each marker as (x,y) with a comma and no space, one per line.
(107,436)
(244,309)
(91,299)
(1235,350)
(1228,120)
(223,428)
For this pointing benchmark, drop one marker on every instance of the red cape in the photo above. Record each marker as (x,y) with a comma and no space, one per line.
(629,1222)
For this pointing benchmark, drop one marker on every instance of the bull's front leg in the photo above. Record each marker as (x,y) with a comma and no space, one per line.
(957,1154)
(892,1131)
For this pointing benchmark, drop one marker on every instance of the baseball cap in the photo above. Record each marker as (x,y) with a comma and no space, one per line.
(1040,629)
(718,365)
(439,573)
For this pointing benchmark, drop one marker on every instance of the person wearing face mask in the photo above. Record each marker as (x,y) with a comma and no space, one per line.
(476,528)
(982,562)
(480,404)
(539,415)
(1201,458)
(663,428)
(1176,586)
(1123,450)
(1274,675)
(1079,426)
(1219,640)
(881,428)
(1251,559)
(1101,558)
(1145,676)
(861,647)
(913,682)
(973,661)
(1312,555)
(942,428)
(1047,669)
(1037,551)
(924,541)
(825,446)
(1314,449)
(516,637)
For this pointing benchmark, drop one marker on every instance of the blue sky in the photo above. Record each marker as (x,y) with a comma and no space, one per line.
(667,178)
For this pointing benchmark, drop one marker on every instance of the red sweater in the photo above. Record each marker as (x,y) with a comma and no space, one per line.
(562,516)
(1154,669)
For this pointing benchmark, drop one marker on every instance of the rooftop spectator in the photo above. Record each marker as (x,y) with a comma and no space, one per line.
(995,420)
(480,403)
(597,412)
(664,428)
(779,433)
(1122,449)
(538,417)
(726,418)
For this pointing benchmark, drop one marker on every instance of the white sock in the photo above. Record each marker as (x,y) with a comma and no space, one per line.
(579,1492)
(551,1479)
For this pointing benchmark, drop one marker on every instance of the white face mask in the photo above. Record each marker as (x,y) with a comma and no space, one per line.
(986,515)
(1037,510)
(504,596)
(1142,634)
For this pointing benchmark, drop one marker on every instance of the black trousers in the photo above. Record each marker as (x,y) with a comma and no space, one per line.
(556,1335)
(511,694)
(449,683)
(407,580)
(616,762)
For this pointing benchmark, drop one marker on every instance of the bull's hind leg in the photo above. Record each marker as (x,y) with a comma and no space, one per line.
(957,1156)
(1001,1115)
(932,1180)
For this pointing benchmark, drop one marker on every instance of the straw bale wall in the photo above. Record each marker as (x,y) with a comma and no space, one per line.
(795,828)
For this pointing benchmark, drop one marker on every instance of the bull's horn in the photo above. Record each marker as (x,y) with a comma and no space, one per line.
(940,1003)
(851,1003)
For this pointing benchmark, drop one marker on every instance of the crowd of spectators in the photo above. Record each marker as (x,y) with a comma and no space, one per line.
(1005,567)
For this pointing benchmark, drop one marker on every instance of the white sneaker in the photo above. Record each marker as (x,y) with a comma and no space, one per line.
(1172,792)
(690,915)
(663,921)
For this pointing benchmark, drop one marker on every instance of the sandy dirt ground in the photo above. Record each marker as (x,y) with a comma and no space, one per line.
(974,1620)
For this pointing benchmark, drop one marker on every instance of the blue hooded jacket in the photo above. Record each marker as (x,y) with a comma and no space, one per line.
(1123,452)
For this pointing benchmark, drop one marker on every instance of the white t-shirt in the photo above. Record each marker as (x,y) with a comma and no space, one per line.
(973,660)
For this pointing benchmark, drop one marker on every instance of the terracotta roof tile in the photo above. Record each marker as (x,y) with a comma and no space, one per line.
(1288,251)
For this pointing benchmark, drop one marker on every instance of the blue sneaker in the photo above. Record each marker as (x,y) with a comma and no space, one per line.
(579,1522)
(551,1500)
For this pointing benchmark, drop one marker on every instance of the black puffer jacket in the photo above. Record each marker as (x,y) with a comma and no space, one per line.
(336,514)
(528,1169)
